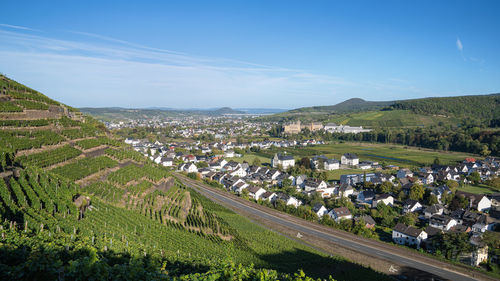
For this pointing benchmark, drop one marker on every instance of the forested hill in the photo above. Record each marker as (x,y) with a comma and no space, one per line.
(484,107)
(476,106)
(350,105)
(76,203)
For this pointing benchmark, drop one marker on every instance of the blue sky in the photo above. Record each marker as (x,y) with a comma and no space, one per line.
(273,54)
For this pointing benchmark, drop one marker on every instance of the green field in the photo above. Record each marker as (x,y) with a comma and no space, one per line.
(478,189)
(249,158)
(392,118)
(403,156)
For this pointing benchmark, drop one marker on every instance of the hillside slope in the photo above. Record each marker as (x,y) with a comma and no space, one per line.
(484,109)
(77,203)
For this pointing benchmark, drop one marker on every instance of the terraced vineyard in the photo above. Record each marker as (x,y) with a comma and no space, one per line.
(128,220)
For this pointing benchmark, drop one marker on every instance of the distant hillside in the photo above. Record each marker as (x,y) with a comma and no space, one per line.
(483,107)
(350,105)
(119,113)
(404,113)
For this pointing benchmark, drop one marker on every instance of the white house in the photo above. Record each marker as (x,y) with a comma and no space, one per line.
(229,153)
(349,159)
(289,200)
(477,201)
(387,199)
(435,209)
(340,214)
(190,168)
(320,210)
(410,206)
(404,173)
(331,164)
(240,172)
(255,192)
(408,235)
(285,161)
(327,192)
(313,184)
(442,222)
(269,196)
(345,190)
(167,161)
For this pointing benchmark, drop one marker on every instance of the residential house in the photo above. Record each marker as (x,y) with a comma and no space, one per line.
(410,206)
(289,200)
(167,161)
(366,196)
(285,161)
(255,192)
(404,173)
(345,190)
(331,164)
(341,213)
(387,199)
(268,196)
(368,221)
(435,209)
(408,235)
(349,159)
(478,202)
(327,192)
(442,222)
(319,209)
(313,184)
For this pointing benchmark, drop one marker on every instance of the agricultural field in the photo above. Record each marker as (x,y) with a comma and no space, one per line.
(391,118)
(84,167)
(478,189)
(390,154)
(50,157)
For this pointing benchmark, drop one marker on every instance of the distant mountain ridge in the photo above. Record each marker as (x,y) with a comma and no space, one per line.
(350,105)
(483,105)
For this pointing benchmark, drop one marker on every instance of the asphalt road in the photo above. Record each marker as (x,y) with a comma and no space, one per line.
(424,263)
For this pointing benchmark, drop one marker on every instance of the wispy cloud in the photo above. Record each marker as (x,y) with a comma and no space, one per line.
(460,48)
(111,72)
(17,27)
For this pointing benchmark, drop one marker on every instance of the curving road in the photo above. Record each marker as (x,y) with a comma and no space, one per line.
(380,250)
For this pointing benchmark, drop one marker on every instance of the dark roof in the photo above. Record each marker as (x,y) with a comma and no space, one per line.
(350,156)
(282,157)
(433,209)
(368,219)
(408,230)
(253,189)
(432,231)
(317,206)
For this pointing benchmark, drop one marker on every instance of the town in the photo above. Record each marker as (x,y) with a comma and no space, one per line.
(413,207)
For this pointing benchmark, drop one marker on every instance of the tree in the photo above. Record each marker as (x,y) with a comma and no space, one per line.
(453,185)
(437,161)
(417,192)
(459,202)
(408,219)
(305,162)
(485,151)
(474,177)
(385,187)
(432,199)
(256,161)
